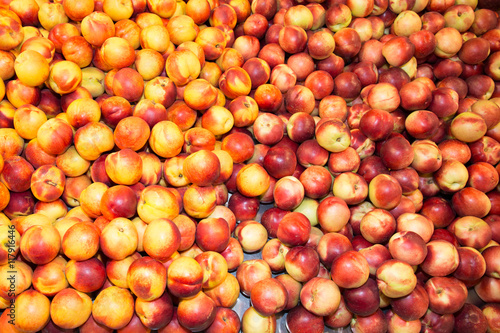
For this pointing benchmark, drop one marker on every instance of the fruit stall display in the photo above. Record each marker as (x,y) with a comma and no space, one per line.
(249,165)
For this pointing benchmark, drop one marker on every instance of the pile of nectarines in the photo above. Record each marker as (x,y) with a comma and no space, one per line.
(330,164)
